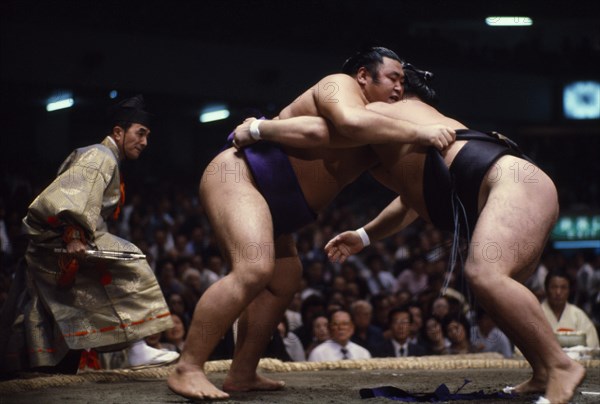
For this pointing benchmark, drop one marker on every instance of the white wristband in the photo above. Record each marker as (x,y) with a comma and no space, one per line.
(254,132)
(363,236)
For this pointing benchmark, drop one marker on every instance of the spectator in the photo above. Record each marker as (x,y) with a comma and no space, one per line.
(379,279)
(163,242)
(310,306)
(365,334)
(563,315)
(486,337)
(294,318)
(339,345)
(166,278)
(176,335)
(436,342)
(414,279)
(351,274)
(458,331)
(156,342)
(585,273)
(440,308)
(178,306)
(381,309)
(400,345)
(417,323)
(319,330)
(291,342)
(315,281)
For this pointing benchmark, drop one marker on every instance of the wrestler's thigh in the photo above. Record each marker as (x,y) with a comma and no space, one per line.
(237,211)
(514,225)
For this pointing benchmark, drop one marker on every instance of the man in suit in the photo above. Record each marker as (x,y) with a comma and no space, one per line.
(339,346)
(400,345)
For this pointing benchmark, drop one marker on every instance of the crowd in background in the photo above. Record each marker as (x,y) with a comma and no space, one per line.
(405,273)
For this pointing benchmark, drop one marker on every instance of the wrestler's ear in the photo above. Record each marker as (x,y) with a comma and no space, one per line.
(361,75)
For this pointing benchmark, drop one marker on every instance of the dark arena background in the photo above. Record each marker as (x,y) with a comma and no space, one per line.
(537,83)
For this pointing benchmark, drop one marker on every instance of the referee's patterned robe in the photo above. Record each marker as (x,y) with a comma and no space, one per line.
(111,303)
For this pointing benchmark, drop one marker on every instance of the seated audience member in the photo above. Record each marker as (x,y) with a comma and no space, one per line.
(336,302)
(193,287)
(319,331)
(440,308)
(486,337)
(365,334)
(216,263)
(414,279)
(381,309)
(417,323)
(167,279)
(433,336)
(294,318)
(457,303)
(350,273)
(399,345)
(458,331)
(352,293)
(338,284)
(155,341)
(310,306)
(177,305)
(583,280)
(314,275)
(339,346)
(176,335)
(563,315)
(291,342)
(163,242)
(402,298)
(276,347)
(379,279)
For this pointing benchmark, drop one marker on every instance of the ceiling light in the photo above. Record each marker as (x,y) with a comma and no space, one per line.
(508,21)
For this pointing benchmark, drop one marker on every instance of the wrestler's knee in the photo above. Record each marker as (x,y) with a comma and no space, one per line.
(478,275)
(254,274)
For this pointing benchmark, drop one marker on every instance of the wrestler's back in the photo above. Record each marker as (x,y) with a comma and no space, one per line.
(406,162)
(323,172)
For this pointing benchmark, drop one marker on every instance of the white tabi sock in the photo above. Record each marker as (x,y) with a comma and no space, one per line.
(139,353)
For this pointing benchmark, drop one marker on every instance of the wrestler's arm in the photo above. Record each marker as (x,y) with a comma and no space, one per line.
(339,99)
(396,216)
(390,220)
(300,131)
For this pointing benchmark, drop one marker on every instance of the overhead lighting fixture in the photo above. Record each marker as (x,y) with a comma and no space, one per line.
(516,21)
(214,112)
(581,100)
(60,101)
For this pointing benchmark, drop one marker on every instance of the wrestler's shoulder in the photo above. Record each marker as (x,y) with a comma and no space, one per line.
(339,78)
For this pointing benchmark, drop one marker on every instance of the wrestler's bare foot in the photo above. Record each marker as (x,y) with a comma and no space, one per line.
(562,382)
(536,384)
(256,383)
(190,382)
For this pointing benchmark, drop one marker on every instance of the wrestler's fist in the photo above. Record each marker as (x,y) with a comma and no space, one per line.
(343,245)
(241,134)
(438,136)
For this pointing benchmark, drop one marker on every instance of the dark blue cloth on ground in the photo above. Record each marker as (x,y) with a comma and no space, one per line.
(441,394)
